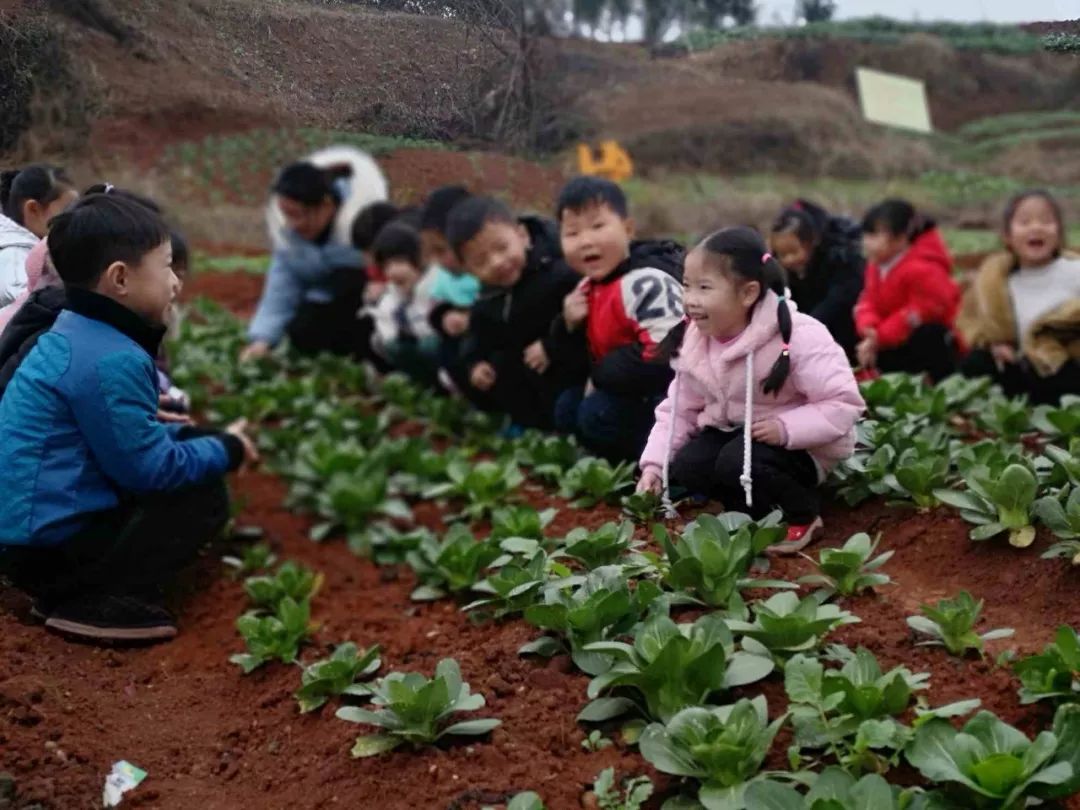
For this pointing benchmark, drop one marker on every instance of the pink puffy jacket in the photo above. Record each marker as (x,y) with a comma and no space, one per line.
(818,405)
(39,273)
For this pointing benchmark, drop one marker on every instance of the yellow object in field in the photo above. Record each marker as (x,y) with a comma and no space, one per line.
(613,162)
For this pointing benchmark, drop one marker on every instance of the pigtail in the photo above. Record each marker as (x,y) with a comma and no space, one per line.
(774,280)
(669,347)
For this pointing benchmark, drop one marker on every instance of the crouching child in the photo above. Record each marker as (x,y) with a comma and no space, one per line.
(105,502)
(627,302)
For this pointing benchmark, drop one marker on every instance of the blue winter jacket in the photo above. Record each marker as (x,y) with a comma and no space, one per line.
(79,428)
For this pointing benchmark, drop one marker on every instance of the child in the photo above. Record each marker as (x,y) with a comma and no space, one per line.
(763,402)
(106,503)
(314,286)
(1021,316)
(824,264)
(904,316)
(175,403)
(627,302)
(508,361)
(366,227)
(28,200)
(403,334)
(453,290)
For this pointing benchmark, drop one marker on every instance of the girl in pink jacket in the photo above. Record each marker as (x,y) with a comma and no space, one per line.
(749,366)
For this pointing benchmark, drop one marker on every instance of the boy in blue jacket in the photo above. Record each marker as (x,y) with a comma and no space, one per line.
(105,503)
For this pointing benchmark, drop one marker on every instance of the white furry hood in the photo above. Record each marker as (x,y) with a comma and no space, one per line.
(364,186)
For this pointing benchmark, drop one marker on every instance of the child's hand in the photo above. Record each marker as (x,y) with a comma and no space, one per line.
(455,323)
(769,431)
(373,291)
(482,376)
(166,414)
(866,351)
(576,307)
(253,351)
(251,453)
(536,358)
(650,482)
(1003,354)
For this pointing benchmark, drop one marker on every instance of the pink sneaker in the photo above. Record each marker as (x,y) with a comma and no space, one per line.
(798,538)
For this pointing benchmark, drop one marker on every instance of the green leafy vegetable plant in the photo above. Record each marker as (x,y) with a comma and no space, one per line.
(997,505)
(951,624)
(415,710)
(596,741)
(520,521)
(337,675)
(484,486)
(273,637)
(450,565)
(1008,419)
(600,608)
(549,457)
(353,502)
(254,558)
(1054,674)
(851,711)
(593,480)
(850,569)
(670,667)
(605,546)
(917,476)
(834,789)
(1060,420)
(631,795)
(291,580)
(525,801)
(723,747)
(515,586)
(642,507)
(711,563)
(784,625)
(990,764)
(1061,515)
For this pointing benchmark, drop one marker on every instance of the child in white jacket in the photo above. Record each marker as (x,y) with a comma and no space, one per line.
(403,331)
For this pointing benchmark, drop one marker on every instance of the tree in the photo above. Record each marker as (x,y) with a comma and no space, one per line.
(815,10)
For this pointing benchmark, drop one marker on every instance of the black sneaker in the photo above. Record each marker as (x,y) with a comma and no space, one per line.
(112,618)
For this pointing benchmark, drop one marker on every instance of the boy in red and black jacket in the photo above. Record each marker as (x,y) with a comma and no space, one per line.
(614,320)
(507,357)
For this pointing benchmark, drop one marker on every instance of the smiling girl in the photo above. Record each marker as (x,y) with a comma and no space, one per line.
(750,367)
(1021,316)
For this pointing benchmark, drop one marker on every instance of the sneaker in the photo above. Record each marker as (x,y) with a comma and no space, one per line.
(112,618)
(798,538)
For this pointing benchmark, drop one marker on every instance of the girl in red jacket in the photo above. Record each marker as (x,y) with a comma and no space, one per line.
(904,317)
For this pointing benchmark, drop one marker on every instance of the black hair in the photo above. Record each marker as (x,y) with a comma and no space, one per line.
(109,188)
(804,219)
(411,215)
(585,191)
(180,254)
(898,217)
(39,182)
(470,216)
(397,240)
(99,230)
(371,219)
(439,205)
(308,184)
(741,252)
(1016,200)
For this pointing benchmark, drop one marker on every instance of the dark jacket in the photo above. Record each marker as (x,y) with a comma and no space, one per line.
(505,320)
(630,313)
(35,317)
(833,280)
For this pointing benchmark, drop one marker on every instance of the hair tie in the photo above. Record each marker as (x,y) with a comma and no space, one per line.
(781,297)
(765,258)
(108,188)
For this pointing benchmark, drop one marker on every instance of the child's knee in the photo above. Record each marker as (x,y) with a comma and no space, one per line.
(596,417)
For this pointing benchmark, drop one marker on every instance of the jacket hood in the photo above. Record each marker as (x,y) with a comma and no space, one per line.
(929,247)
(12,234)
(365,184)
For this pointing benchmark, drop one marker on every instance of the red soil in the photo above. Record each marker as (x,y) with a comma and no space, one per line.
(212,738)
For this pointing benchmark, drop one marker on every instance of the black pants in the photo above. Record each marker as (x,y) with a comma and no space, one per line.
(132,549)
(526,397)
(929,350)
(334,326)
(1020,378)
(611,426)
(712,462)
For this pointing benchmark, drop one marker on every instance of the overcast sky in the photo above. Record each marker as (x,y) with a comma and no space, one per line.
(968,10)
